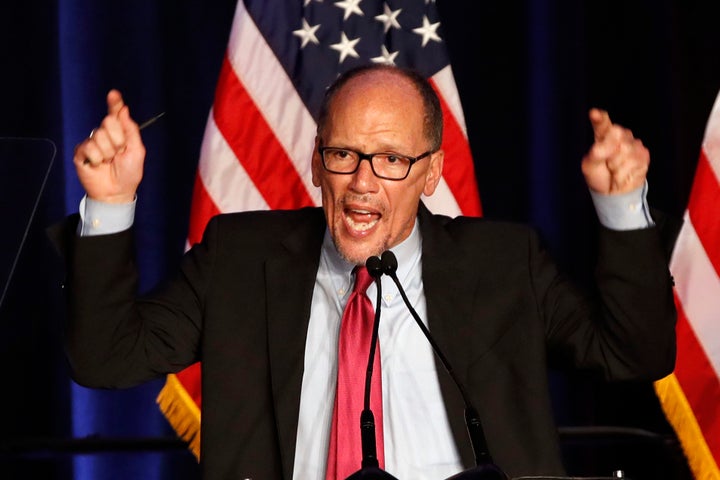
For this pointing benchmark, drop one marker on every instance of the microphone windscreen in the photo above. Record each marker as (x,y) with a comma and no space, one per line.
(373,266)
(389,262)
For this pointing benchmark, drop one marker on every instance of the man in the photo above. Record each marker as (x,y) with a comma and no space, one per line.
(259,301)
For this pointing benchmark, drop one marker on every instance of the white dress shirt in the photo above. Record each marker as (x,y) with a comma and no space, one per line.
(417,436)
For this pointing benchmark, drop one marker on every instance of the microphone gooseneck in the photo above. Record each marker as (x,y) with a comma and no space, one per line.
(370,468)
(374,269)
(485,467)
(367,419)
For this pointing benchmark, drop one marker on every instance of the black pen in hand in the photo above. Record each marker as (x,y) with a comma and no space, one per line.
(143,125)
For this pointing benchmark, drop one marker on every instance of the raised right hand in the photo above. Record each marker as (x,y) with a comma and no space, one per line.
(109,163)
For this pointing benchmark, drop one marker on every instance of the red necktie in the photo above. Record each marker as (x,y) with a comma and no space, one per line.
(345,452)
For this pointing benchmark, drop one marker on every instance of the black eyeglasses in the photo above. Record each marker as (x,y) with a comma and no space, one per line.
(390,166)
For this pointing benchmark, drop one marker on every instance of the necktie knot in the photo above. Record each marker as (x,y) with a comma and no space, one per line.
(362,279)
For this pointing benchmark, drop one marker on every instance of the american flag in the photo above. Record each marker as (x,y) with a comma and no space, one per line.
(691,395)
(258,142)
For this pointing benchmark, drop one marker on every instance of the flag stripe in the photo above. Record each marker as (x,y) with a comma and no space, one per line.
(459,157)
(459,171)
(443,201)
(255,145)
(444,83)
(702,395)
(201,211)
(705,192)
(226,181)
(190,373)
(274,94)
(711,140)
(698,288)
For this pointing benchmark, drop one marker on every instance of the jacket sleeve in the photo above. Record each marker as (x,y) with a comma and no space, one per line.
(625,328)
(114,338)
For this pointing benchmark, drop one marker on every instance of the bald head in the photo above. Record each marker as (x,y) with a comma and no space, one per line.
(409,80)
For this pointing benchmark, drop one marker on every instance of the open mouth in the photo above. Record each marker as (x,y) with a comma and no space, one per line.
(361,221)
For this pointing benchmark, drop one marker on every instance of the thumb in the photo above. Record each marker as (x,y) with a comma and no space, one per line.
(130,128)
(115,102)
(601,123)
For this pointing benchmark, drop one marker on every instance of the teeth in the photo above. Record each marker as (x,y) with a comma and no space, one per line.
(361,226)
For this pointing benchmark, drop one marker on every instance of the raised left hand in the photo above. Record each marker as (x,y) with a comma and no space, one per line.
(617,162)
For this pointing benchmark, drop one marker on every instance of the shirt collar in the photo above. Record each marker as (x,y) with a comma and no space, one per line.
(407,252)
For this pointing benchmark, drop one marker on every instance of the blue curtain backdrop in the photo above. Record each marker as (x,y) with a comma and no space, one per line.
(527,72)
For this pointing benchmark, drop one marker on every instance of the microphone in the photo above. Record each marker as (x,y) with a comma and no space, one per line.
(370,469)
(485,468)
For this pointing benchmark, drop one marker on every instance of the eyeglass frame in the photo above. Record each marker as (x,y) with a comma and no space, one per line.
(369,156)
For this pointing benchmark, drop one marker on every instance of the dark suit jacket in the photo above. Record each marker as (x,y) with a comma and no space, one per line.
(241,302)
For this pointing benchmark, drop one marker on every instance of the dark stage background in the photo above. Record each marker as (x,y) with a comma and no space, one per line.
(527,71)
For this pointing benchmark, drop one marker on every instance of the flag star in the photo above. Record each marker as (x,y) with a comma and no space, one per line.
(350,7)
(385,57)
(307,2)
(428,31)
(307,33)
(426,1)
(389,18)
(346,47)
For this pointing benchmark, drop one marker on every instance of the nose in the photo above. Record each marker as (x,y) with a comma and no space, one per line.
(364,180)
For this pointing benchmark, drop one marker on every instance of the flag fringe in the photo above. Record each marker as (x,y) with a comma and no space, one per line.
(181,411)
(681,417)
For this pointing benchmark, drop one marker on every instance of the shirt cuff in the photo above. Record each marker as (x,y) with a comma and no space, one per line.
(100,218)
(626,211)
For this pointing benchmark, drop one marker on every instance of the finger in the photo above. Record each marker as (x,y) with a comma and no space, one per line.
(600,120)
(88,155)
(114,130)
(105,144)
(628,177)
(616,138)
(114,102)
(630,168)
(602,151)
(632,153)
(130,129)
(79,153)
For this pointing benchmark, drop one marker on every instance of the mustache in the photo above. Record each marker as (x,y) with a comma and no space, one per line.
(362,199)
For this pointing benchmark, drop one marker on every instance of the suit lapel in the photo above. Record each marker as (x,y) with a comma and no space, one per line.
(446,279)
(290,279)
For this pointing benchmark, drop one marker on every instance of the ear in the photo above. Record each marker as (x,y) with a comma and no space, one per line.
(432,178)
(316,163)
